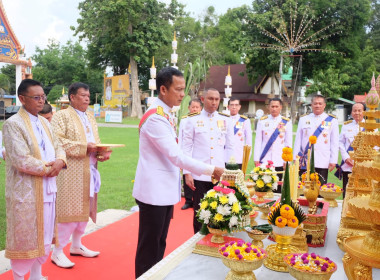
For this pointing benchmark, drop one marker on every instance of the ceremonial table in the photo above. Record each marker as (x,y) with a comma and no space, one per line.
(183,264)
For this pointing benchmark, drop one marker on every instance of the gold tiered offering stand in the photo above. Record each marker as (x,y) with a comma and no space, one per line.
(358,182)
(363,252)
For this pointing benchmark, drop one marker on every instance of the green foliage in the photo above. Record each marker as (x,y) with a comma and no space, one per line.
(64,65)
(55,93)
(9,70)
(285,191)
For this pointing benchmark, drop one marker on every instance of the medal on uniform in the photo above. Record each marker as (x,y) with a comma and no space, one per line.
(239,133)
(281,135)
(326,141)
(324,134)
(307,122)
(221,125)
(239,125)
(200,123)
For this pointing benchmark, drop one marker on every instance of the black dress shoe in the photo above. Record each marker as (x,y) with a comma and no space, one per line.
(186,206)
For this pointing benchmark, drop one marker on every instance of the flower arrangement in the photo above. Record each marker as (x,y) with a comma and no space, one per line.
(331,187)
(220,209)
(286,213)
(313,177)
(300,185)
(240,250)
(264,177)
(310,262)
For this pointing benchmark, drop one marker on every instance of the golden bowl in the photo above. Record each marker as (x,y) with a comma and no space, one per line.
(257,239)
(330,197)
(308,275)
(241,269)
(217,235)
(299,192)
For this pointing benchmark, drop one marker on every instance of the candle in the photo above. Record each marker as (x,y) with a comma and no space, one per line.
(308,165)
(291,179)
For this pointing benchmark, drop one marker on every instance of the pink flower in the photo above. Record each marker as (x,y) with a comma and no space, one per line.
(225,183)
(218,189)
(258,164)
(270,162)
(227,190)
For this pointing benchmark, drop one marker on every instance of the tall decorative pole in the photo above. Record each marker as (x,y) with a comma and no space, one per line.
(174,56)
(152,83)
(227,91)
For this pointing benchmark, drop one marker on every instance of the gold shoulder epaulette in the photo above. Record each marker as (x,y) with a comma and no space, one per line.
(347,122)
(184,117)
(194,114)
(244,117)
(304,115)
(287,119)
(223,114)
(263,118)
(332,116)
(160,111)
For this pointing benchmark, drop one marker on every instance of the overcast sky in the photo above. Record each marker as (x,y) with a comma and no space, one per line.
(36,21)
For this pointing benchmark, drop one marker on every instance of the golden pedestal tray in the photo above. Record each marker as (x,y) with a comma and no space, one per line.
(260,197)
(330,197)
(241,270)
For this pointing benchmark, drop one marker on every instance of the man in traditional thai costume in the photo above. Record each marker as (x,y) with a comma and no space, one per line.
(325,127)
(79,184)
(34,159)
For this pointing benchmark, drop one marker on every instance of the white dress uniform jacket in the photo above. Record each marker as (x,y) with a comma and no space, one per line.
(1,145)
(208,138)
(265,128)
(158,179)
(242,137)
(182,125)
(349,130)
(326,148)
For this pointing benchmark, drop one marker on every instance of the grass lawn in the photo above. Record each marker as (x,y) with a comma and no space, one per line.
(116,174)
(131,121)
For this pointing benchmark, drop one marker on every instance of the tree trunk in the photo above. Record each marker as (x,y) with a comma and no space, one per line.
(136,101)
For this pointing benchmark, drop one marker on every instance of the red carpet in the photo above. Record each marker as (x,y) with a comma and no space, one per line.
(117,243)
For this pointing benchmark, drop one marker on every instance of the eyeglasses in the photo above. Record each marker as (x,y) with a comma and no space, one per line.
(37,97)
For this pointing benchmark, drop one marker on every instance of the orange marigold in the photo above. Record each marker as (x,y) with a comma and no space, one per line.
(281,222)
(287,150)
(287,157)
(287,211)
(293,222)
(313,139)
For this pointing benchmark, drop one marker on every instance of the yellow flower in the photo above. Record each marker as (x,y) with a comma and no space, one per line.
(204,204)
(256,169)
(218,217)
(269,185)
(287,157)
(287,150)
(293,222)
(133,181)
(313,139)
(281,222)
(287,211)
(223,199)
(260,183)
(214,204)
(211,194)
(274,178)
(268,170)
(235,207)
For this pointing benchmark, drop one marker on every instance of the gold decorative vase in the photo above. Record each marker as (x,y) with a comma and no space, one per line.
(251,188)
(277,252)
(330,197)
(265,211)
(260,197)
(217,235)
(311,192)
(307,275)
(269,194)
(257,239)
(241,270)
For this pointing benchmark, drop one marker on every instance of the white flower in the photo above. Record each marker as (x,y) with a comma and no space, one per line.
(205,216)
(263,166)
(274,186)
(267,179)
(231,198)
(255,177)
(233,221)
(273,169)
(225,210)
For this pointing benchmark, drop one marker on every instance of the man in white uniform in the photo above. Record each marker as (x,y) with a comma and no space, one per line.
(325,127)
(195,106)
(2,149)
(242,130)
(157,184)
(34,159)
(208,137)
(349,130)
(273,133)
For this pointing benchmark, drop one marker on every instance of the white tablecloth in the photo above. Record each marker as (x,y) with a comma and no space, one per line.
(183,264)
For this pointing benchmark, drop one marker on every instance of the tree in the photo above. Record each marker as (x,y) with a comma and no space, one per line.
(64,65)
(55,93)
(9,70)
(122,33)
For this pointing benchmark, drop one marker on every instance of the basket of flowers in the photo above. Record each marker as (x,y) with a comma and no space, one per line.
(310,266)
(242,258)
(265,179)
(220,212)
(330,192)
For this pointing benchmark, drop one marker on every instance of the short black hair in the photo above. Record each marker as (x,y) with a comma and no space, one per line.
(275,99)
(25,85)
(362,103)
(209,89)
(165,77)
(73,88)
(46,110)
(233,99)
(195,100)
(318,96)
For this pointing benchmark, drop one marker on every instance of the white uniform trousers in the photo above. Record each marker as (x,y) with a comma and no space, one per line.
(65,230)
(20,267)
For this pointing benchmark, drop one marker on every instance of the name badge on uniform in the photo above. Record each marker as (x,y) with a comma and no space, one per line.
(222,125)
(307,122)
(200,123)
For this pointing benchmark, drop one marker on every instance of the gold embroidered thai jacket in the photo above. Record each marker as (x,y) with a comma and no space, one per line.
(24,186)
(73,197)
